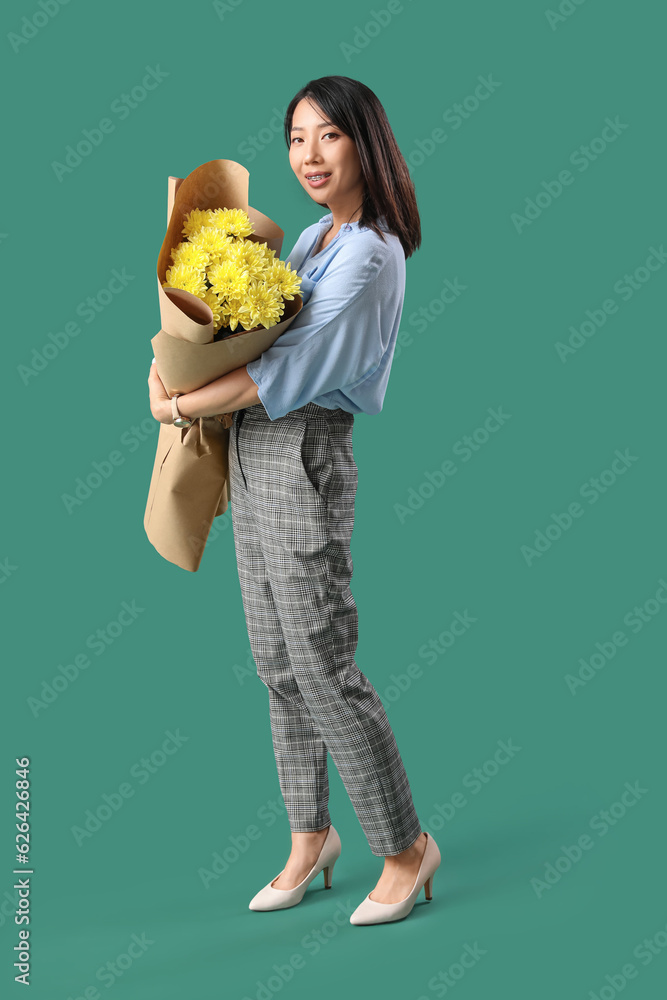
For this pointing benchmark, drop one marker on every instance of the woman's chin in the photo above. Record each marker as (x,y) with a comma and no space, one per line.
(318,201)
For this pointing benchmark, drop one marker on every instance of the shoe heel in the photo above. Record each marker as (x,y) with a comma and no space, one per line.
(328,874)
(428,888)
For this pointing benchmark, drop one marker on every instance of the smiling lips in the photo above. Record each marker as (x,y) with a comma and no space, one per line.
(321,180)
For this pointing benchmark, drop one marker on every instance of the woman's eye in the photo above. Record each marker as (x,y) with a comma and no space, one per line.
(334,134)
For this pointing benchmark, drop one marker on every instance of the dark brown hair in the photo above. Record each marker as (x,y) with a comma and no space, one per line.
(353,108)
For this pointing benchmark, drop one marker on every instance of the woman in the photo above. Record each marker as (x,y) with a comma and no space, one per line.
(293,482)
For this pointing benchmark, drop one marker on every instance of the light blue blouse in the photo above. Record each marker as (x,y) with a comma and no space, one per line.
(337,352)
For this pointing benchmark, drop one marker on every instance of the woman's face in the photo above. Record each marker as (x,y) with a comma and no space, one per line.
(317,147)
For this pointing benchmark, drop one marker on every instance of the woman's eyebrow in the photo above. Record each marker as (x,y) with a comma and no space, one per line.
(299,128)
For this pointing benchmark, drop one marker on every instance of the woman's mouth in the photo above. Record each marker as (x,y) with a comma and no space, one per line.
(316,180)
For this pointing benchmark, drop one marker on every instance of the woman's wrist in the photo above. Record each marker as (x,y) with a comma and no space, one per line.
(183,407)
(161,411)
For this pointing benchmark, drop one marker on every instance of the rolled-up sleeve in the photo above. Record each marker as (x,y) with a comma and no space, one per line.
(335,341)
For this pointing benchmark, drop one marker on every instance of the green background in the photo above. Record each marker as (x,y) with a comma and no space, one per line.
(422,552)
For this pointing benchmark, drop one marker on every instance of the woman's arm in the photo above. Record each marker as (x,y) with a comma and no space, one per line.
(339,337)
(232,391)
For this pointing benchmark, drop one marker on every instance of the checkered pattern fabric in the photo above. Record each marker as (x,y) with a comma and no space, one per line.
(293,483)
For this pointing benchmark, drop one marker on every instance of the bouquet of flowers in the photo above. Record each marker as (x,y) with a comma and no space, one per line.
(241,281)
(218,270)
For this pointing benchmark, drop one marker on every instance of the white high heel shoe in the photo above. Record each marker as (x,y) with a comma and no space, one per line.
(370,911)
(270,898)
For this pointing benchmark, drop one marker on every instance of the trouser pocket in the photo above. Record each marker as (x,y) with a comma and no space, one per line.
(238,421)
(313,456)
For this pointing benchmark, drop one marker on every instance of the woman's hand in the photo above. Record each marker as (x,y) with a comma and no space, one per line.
(160,402)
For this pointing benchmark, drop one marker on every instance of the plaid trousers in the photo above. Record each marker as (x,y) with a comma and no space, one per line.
(292,488)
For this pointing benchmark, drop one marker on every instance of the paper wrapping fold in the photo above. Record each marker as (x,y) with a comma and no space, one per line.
(188,486)
(178,516)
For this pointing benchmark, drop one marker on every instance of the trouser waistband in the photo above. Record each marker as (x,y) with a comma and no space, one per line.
(258,412)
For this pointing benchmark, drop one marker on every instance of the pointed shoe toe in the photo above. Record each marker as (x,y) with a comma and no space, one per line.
(370,911)
(270,898)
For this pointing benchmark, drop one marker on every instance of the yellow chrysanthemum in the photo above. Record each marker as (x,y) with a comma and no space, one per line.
(190,255)
(228,280)
(213,302)
(232,316)
(232,221)
(225,318)
(195,219)
(268,253)
(221,255)
(241,280)
(187,278)
(263,306)
(282,275)
(211,240)
(246,252)
(255,257)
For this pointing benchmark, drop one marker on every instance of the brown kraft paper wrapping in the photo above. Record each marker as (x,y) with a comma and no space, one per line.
(189,483)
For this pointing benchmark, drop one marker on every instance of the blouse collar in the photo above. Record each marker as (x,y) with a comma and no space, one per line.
(326,220)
